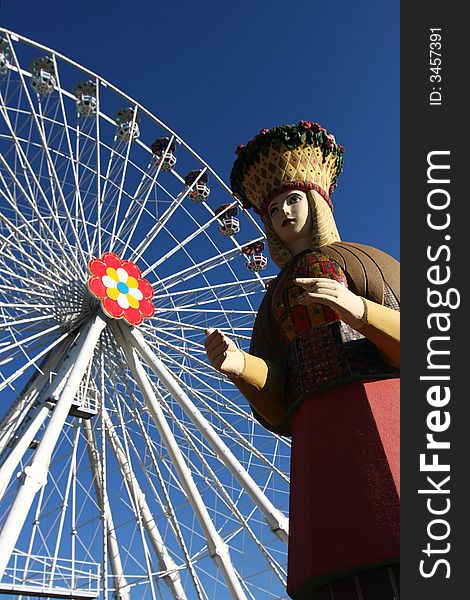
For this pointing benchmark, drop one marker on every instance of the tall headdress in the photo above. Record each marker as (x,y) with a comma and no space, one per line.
(303,156)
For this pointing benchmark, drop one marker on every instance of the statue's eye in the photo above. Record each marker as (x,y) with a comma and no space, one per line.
(294,198)
(273,211)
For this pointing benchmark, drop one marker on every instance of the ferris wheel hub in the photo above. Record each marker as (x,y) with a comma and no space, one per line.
(119,285)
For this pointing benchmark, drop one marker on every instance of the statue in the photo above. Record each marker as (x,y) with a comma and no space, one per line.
(323,368)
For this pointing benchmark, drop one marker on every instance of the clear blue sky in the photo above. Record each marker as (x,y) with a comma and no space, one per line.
(218,72)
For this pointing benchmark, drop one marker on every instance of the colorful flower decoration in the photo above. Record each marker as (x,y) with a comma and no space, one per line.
(305,133)
(124,294)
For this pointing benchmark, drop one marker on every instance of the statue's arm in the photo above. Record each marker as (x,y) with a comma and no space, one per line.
(262,384)
(382,327)
(260,381)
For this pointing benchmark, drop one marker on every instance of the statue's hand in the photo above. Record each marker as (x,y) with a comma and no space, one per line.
(223,353)
(321,290)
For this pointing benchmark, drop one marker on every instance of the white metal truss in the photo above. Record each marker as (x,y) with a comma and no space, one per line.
(129,467)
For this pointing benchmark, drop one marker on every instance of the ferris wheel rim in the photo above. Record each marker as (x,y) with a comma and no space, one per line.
(128,98)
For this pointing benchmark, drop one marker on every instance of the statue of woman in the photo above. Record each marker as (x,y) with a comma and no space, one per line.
(323,368)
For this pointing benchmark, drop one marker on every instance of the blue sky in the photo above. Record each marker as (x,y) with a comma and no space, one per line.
(218,72)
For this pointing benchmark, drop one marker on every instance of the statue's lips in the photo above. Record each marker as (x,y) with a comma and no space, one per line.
(287,221)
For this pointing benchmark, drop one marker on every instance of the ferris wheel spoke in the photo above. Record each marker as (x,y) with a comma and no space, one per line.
(105,203)
(81,183)
(202,295)
(213,313)
(26,321)
(49,159)
(33,361)
(234,241)
(216,412)
(30,265)
(178,246)
(25,238)
(197,269)
(37,213)
(30,268)
(32,288)
(203,273)
(166,563)
(161,222)
(121,183)
(120,583)
(185,353)
(225,497)
(13,203)
(114,178)
(71,156)
(200,229)
(11,278)
(20,254)
(25,341)
(146,186)
(25,305)
(130,225)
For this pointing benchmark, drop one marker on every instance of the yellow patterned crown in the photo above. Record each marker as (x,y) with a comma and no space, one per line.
(303,156)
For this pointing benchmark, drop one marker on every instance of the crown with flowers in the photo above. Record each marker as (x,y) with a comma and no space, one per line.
(303,156)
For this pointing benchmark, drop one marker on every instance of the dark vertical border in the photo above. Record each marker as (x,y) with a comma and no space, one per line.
(424,129)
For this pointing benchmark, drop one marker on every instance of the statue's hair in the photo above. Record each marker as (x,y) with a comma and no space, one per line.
(324,229)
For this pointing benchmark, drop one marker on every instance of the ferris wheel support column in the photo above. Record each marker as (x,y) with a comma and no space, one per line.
(120,583)
(218,549)
(38,416)
(43,388)
(276,520)
(26,399)
(62,359)
(35,475)
(166,563)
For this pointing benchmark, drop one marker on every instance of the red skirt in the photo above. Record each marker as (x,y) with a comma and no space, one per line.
(345,484)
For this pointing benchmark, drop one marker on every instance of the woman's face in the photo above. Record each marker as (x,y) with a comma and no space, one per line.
(291,218)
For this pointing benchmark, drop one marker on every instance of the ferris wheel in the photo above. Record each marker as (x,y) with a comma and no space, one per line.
(129,467)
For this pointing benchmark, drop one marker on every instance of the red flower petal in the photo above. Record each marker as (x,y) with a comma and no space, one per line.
(111,260)
(131,269)
(97,287)
(145,288)
(112,308)
(97,267)
(133,316)
(146,308)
